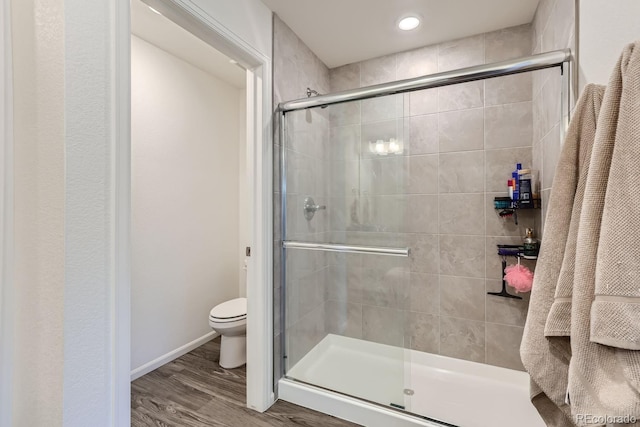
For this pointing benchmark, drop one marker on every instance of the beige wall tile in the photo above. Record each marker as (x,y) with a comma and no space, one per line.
(565,18)
(508,89)
(345,283)
(384,108)
(506,226)
(423,174)
(499,164)
(503,346)
(423,102)
(551,147)
(424,293)
(424,255)
(462,339)
(462,256)
(386,287)
(287,70)
(311,292)
(388,213)
(347,113)
(508,126)
(507,311)
(424,332)
(461,53)
(461,172)
(417,62)
(510,43)
(552,97)
(384,130)
(461,130)
(378,70)
(423,134)
(462,213)
(422,213)
(494,261)
(462,297)
(461,96)
(342,318)
(384,175)
(383,325)
(345,77)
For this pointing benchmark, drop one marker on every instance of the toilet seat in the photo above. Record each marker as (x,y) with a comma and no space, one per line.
(230,311)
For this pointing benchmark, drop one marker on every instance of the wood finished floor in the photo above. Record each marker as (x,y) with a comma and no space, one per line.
(195,391)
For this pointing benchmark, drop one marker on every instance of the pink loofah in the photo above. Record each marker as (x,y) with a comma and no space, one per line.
(519,277)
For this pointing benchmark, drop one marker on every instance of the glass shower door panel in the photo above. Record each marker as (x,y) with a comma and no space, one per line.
(346,304)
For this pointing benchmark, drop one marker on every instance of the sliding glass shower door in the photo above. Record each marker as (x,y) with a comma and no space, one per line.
(346,231)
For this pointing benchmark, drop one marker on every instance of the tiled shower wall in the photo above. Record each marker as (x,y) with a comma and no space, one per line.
(553,28)
(295,68)
(460,145)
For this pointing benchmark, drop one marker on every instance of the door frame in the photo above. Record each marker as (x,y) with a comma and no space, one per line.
(260,392)
(6,214)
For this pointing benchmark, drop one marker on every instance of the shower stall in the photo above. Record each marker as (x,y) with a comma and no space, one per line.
(385,243)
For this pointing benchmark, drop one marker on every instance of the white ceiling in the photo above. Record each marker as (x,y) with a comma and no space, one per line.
(163,33)
(346,31)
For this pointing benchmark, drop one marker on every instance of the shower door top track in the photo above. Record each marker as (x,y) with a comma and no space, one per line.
(514,66)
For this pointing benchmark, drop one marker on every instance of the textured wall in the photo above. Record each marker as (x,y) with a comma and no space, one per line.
(460,145)
(38,71)
(185,200)
(295,69)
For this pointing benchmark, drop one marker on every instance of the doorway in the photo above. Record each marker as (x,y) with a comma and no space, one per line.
(246,211)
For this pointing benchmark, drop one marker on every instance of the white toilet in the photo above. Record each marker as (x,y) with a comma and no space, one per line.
(229,319)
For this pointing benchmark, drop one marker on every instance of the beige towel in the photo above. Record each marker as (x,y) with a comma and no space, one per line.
(547,361)
(605,380)
(559,319)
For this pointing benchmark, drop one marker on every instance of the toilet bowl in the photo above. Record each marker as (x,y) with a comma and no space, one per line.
(229,319)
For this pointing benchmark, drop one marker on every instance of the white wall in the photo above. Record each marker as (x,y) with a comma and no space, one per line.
(605,28)
(243,202)
(38,284)
(185,202)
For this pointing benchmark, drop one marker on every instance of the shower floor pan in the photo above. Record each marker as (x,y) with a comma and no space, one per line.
(456,392)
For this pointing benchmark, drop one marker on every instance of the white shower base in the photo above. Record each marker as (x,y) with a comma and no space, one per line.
(458,392)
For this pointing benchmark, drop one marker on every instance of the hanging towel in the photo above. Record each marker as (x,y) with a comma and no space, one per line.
(547,360)
(604,373)
(576,163)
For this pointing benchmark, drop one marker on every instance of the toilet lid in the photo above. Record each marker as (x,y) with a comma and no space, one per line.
(230,309)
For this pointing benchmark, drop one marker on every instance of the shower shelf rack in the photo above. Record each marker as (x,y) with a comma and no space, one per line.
(508,207)
(504,251)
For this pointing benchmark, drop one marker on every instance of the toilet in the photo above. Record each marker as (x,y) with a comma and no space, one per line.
(229,319)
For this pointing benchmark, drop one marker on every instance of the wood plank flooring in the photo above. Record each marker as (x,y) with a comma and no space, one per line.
(195,391)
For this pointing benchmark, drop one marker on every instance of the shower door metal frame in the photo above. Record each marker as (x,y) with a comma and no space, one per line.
(558,58)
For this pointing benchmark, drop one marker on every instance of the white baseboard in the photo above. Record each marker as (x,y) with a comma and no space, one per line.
(172,355)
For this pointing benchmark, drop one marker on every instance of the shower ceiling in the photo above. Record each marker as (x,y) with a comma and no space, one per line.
(342,32)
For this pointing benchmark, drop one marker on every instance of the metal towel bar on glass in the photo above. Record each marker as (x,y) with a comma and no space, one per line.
(355,249)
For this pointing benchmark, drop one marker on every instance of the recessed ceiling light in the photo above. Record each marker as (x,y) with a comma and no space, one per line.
(154,10)
(409,23)
(233,61)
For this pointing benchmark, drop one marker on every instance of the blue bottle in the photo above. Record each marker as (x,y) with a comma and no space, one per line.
(516,176)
